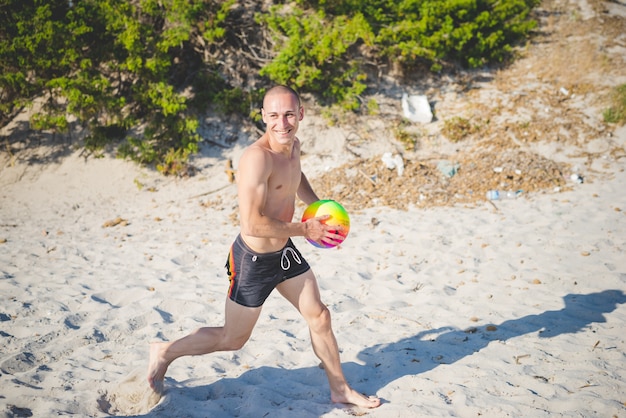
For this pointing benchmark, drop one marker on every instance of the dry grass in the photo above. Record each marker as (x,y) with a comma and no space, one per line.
(365,183)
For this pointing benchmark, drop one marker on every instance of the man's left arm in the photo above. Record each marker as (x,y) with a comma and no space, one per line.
(305,191)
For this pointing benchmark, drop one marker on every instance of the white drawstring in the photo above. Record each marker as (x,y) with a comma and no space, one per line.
(285,260)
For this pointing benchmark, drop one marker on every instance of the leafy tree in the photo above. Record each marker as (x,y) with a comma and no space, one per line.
(111,64)
(44,45)
(141,72)
(315,53)
(471,32)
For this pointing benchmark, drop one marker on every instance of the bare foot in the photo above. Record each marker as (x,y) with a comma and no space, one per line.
(350,396)
(157,366)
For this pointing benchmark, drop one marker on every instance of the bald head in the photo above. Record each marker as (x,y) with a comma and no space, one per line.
(278,90)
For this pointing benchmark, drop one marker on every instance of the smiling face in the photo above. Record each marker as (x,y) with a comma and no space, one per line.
(282,114)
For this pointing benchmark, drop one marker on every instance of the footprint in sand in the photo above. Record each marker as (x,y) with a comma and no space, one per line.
(132,396)
(19,363)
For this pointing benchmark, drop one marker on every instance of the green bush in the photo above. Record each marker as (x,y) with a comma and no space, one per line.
(471,32)
(320,44)
(313,53)
(138,74)
(112,64)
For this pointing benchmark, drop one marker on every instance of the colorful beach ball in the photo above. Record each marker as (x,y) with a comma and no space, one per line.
(338,217)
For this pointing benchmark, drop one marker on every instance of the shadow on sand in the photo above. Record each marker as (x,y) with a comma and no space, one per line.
(306,389)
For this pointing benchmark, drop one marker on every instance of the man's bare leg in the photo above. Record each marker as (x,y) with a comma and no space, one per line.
(238,325)
(303,293)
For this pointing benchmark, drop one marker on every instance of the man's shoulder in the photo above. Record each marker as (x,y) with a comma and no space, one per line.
(260,145)
(256,155)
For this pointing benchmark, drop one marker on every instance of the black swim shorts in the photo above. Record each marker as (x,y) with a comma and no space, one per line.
(253,276)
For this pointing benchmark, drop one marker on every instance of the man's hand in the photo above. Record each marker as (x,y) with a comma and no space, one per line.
(318,231)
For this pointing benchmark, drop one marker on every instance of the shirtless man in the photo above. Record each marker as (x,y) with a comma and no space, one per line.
(263,257)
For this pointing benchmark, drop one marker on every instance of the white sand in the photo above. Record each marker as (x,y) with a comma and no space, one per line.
(80,302)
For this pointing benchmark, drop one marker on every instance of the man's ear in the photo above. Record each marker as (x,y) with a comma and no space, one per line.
(301,112)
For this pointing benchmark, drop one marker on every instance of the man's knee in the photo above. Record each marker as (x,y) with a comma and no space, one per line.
(227,342)
(320,321)
(235,344)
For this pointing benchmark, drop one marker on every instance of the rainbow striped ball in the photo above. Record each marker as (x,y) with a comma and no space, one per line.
(338,217)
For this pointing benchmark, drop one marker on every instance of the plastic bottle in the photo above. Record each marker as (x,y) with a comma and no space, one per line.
(501,195)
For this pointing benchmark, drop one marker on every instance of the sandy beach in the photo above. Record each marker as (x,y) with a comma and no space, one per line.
(518,311)
(501,308)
